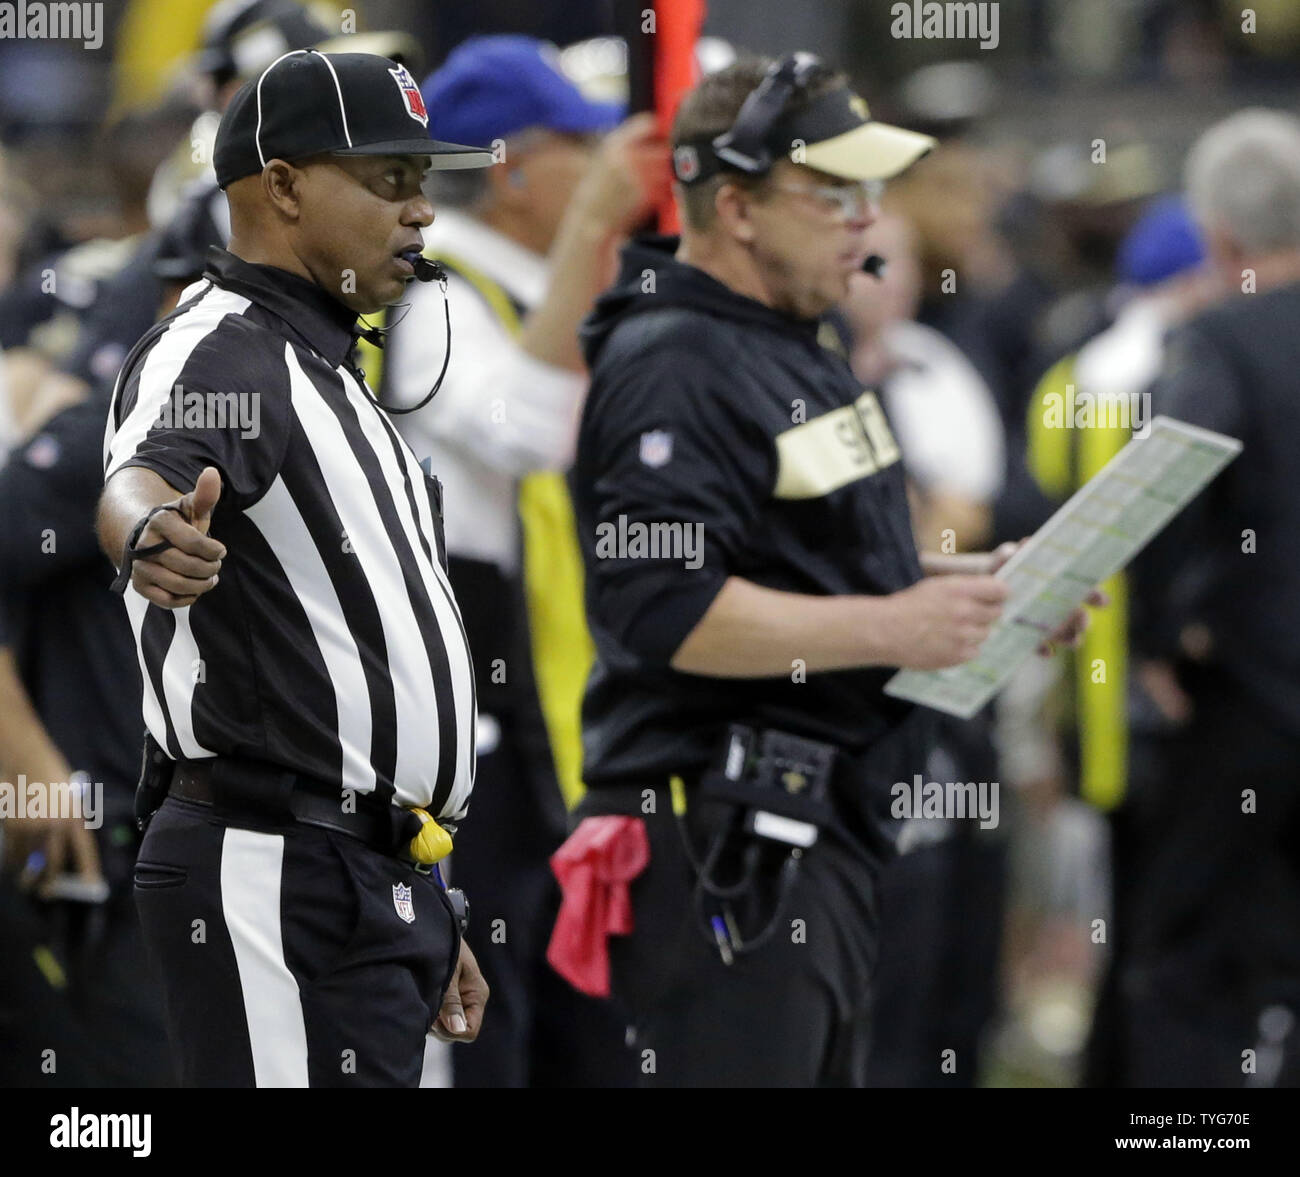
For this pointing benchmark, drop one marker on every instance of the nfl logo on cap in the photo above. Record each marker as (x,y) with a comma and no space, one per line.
(410,95)
(686,163)
(402,902)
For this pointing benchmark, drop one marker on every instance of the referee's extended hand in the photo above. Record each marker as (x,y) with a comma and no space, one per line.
(461,1015)
(181,574)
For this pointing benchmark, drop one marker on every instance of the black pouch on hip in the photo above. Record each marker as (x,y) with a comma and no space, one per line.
(781,781)
(155,779)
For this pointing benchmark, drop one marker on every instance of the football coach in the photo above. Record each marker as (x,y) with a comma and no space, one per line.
(739,747)
(307,685)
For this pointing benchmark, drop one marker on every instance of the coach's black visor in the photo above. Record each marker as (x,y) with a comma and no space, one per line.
(833,133)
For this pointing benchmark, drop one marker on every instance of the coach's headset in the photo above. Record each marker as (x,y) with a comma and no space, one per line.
(745,145)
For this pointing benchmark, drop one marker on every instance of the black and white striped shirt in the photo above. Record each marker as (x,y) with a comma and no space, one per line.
(333,644)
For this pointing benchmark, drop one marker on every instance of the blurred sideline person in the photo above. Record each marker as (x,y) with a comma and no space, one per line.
(1100,720)
(1162,283)
(942,411)
(942,899)
(9,434)
(969,272)
(528,246)
(44,311)
(751,579)
(79,981)
(69,685)
(1210,852)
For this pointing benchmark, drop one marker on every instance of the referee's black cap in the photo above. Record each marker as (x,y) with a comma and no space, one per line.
(308,102)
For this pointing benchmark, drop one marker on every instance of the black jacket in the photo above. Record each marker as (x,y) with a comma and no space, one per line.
(70,634)
(708,409)
(1230,563)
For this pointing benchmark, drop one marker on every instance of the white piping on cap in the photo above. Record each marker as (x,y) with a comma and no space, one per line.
(339,90)
(257,137)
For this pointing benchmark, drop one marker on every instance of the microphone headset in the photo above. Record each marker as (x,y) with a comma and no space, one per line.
(426,270)
(744,146)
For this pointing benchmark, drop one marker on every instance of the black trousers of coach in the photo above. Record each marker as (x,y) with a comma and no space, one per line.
(289,955)
(793,1013)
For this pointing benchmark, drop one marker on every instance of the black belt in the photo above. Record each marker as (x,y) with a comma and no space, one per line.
(384,828)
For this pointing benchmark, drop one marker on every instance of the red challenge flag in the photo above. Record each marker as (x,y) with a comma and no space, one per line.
(661,66)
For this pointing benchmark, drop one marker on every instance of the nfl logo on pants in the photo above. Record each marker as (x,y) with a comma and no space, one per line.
(402,902)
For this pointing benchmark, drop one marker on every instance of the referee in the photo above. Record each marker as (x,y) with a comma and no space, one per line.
(307,682)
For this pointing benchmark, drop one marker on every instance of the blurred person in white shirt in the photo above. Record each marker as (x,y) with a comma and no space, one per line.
(941,410)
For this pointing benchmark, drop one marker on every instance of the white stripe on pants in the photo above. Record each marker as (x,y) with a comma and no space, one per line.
(251,865)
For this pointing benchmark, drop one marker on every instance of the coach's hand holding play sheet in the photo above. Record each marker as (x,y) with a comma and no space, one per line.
(1095,534)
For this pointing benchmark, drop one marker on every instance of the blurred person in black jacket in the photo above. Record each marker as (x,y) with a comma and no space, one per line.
(942,900)
(76,978)
(1209,854)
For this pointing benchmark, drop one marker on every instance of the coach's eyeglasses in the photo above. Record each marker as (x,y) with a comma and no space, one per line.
(846,200)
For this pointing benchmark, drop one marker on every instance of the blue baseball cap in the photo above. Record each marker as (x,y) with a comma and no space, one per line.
(1164,242)
(493,87)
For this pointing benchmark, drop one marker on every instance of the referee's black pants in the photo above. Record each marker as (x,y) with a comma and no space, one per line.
(290,956)
(793,1013)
